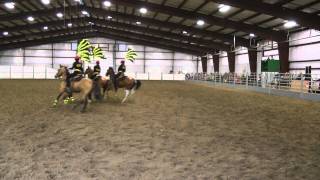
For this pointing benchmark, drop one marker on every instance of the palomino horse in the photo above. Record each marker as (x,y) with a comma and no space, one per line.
(129,84)
(84,87)
(103,82)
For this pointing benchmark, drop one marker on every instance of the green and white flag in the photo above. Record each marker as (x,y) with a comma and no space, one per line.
(131,55)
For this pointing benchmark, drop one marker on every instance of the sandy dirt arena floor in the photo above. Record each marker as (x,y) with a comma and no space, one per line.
(167,130)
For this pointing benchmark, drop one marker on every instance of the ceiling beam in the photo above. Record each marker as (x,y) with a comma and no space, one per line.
(60,34)
(50,40)
(103,13)
(146,43)
(265,33)
(304,19)
(200,32)
(163,34)
(141,29)
(153,39)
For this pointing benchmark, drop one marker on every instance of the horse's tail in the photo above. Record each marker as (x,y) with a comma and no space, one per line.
(137,84)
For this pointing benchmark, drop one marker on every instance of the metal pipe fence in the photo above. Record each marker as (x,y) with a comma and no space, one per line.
(299,83)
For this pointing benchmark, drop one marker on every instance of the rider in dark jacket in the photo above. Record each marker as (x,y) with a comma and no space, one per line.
(120,74)
(96,70)
(78,69)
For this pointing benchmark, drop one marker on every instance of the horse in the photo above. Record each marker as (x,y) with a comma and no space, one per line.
(129,84)
(83,86)
(103,82)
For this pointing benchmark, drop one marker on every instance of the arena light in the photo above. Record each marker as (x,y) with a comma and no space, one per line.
(85,13)
(45,28)
(5,33)
(91,23)
(109,17)
(45,2)
(252,35)
(184,32)
(200,22)
(138,22)
(30,18)
(69,24)
(59,15)
(143,10)
(224,8)
(9,5)
(107,3)
(290,24)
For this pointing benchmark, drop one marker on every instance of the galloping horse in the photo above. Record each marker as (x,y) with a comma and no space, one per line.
(129,84)
(83,86)
(103,82)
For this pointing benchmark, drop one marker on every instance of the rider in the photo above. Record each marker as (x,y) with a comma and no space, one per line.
(96,70)
(120,74)
(78,69)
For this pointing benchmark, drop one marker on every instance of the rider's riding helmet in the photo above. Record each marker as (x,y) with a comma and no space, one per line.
(97,62)
(77,58)
(122,62)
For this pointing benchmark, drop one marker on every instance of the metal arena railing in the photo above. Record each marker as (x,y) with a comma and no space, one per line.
(302,83)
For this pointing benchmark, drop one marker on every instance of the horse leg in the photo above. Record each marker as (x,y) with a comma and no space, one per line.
(126,96)
(85,103)
(55,103)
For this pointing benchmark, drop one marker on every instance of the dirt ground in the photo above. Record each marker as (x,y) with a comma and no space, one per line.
(167,130)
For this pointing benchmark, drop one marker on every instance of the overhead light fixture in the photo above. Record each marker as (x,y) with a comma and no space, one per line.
(45,28)
(59,15)
(85,12)
(45,2)
(109,17)
(252,35)
(224,8)
(138,22)
(9,5)
(30,18)
(5,33)
(91,23)
(184,32)
(290,24)
(200,22)
(107,3)
(143,10)
(69,24)
(79,1)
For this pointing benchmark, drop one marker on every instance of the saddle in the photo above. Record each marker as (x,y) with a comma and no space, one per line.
(77,78)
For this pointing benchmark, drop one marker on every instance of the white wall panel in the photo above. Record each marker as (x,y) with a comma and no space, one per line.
(13,52)
(224,65)
(164,56)
(45,46)
(186,66)
(309,52)
(64,53)
(38,60)
(38,53)
(152,49)
(305,37)
(11,60)
(62,46)
(242,64)
(158,66)
(136,47)
(182,56)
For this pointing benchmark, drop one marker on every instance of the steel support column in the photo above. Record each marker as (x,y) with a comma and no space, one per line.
(284,56)
(253,57)
(232,61)
(204,62)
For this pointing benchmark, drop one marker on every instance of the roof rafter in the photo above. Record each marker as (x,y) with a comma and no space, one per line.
(302,18)
(265,33)
(157,42)
(207,43)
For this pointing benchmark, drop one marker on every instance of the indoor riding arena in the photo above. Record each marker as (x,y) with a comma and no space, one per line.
(159,90)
